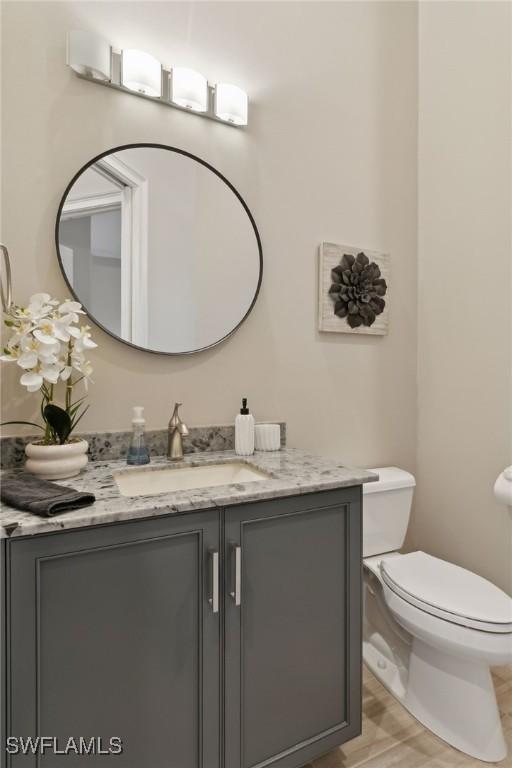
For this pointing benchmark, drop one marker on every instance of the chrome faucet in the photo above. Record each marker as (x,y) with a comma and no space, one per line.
(176,431)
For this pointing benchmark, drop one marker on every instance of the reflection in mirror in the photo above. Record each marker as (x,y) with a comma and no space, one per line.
(159,248)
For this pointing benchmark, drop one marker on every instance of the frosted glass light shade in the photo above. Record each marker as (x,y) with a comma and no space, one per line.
(89,54)
(189,89)
(141,72)
(231,104)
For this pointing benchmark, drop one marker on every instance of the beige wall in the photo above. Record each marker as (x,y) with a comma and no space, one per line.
(465,284)
(330,154)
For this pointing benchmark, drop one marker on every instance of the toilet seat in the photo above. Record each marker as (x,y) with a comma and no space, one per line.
(448,591)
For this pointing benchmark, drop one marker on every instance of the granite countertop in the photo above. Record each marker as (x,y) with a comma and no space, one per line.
(292,472)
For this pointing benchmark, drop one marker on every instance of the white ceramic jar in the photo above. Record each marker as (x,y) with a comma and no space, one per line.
(56,462)
(267,437)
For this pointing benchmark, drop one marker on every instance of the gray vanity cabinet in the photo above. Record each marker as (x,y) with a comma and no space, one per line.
(111,633)
(292,628)
(218,639)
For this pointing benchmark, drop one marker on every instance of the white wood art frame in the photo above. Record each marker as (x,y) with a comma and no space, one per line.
(330,255)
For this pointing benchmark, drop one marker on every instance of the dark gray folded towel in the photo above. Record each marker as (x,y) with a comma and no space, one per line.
(41,497)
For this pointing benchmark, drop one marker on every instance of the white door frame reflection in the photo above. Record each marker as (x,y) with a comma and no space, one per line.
(130,198)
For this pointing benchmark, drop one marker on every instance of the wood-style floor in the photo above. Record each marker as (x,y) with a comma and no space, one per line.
(392,738)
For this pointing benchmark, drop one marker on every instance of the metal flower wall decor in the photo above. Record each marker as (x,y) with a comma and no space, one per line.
(357,290)
(353,290)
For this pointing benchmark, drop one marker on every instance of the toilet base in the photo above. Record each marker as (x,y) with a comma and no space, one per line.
(455,699)
(450,696)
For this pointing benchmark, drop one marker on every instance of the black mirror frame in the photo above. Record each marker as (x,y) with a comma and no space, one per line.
(220,176)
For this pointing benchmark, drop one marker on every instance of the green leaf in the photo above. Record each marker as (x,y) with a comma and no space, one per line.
(46,394)
(75,406)
(30,424)
(76,420)
(59,421)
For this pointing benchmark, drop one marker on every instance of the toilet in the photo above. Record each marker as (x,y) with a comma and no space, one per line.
(431,629)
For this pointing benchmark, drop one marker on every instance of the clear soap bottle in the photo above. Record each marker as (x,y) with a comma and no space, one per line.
(138,451)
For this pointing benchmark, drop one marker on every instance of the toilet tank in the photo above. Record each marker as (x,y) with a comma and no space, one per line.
(386,510)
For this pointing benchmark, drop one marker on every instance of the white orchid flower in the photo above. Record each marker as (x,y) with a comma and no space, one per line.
(18,313)
(28,359)
(66,372)
(49,331)
(13,343)
(51,373)
(67,319)
(39,299)
(81,364)
(10,355)
(39,306)
(47,342)
(22,331)
(63,326)
(48,352)
(77,361)
(83,338)
(73,308)
(86,342)
(29,344)
(86,369)
(45,334)
(32,381)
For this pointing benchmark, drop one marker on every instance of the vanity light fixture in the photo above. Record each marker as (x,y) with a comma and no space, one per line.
(189,89)
(89,55)
(139,73)
(231,104)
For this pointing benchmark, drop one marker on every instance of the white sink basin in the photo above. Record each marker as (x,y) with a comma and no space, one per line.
(148,482)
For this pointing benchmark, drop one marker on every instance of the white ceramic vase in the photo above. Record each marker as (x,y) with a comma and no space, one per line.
(56,462)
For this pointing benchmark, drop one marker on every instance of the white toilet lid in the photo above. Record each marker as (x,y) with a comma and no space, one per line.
(448,591)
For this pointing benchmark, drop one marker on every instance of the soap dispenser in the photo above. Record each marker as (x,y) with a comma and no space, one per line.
(244,431)
(138,452)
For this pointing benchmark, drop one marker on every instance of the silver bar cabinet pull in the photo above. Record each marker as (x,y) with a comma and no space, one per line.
(214,599)
(237,594)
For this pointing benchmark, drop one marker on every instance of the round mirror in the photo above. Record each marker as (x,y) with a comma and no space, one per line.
(160,248)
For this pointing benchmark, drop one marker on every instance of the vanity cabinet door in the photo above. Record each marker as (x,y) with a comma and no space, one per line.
(111,634)
(292,628)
